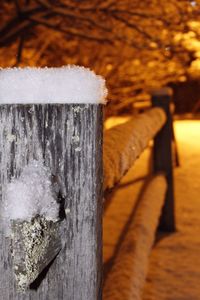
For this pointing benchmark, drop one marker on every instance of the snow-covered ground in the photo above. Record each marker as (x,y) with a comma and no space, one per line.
(174,270)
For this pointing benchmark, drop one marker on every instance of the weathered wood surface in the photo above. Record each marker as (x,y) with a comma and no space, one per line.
(163,157)
(34,245)
(124,143)
(128,273)
(69,139)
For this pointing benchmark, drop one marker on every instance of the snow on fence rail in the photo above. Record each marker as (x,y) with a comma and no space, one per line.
(51,126)
(127,276)
(155,207)
(124,143)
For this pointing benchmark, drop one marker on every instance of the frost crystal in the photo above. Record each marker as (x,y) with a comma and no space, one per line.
(30,195)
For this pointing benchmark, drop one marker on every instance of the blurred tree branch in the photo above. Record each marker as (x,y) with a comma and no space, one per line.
(135,44)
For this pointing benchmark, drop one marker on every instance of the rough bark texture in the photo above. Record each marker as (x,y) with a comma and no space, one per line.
(127,276)
(124,143)
(69,139)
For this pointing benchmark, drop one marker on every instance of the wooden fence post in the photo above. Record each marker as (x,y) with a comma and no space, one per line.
(68,138)
(162,157)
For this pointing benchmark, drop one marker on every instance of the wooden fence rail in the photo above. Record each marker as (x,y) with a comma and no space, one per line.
(124,143)
(126,276)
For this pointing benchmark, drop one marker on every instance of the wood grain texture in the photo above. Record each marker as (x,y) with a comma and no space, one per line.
(69,139)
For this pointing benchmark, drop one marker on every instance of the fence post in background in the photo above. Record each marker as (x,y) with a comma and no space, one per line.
(163,159)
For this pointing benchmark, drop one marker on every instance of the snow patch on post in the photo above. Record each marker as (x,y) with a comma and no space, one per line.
(30,195)
(69,84)
(30,213)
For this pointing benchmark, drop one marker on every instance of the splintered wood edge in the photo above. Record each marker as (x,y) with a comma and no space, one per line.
(34,245)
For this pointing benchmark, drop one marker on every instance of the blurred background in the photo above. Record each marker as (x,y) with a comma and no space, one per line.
(136,45)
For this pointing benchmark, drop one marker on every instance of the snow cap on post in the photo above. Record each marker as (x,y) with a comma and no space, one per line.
(164,91)
(68,84)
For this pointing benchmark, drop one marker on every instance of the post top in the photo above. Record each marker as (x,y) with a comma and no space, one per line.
(68,84)
(164,91)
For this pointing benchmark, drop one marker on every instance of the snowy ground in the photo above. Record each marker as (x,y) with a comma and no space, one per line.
(174,271)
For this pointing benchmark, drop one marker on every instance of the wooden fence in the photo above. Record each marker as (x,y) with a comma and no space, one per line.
(75,156)
(126,277)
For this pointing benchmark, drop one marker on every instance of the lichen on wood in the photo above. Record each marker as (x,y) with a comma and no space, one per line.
(34,246)
(47,132)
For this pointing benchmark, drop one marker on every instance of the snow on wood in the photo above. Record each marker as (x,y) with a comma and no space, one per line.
(29,212)
(30,195)
(59,126)
(127,276)
(69,84)
(124,143)
(164,91)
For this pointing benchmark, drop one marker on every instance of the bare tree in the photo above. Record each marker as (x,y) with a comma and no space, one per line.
(133,44)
